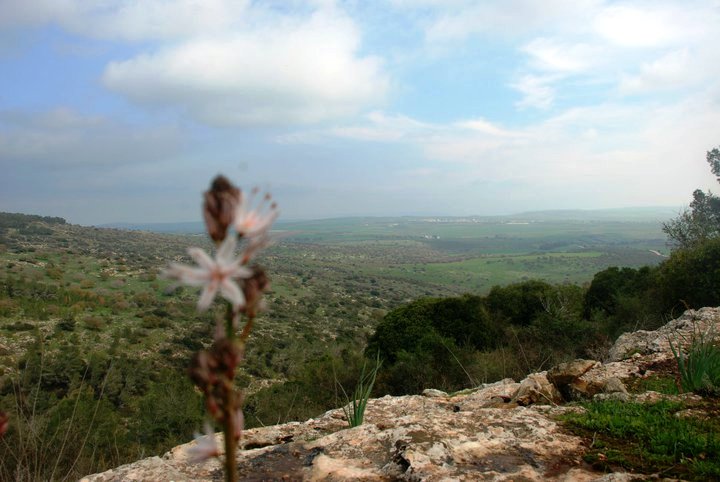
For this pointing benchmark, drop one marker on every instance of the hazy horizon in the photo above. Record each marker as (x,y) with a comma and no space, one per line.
(124,111)
(646,213)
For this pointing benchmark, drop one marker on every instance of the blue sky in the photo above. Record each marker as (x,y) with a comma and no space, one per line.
(123,110)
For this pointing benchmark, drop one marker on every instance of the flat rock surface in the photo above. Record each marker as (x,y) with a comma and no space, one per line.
(404,438)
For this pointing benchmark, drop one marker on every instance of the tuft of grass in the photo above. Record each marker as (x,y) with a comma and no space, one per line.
(355,409)
(700,366)
(649,438)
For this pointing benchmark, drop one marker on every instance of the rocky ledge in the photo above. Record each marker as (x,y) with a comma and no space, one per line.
(502,431)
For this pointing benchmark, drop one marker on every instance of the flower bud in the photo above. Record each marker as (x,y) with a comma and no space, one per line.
(221,201)
(253,289)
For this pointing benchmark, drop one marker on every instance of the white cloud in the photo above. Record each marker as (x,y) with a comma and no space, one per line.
(642,26)
(130,20)
(379,126)
(550,55)
(669,71)
(63,138)
(454,21)
(537,91)
(291,70)
(226,62)
(484,126)
(616,154)
(625,46)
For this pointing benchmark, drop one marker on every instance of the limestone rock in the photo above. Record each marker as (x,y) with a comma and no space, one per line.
(431,392)
(405,438)
(704,320)
(614,385)
(566,373)
(566,377)
(536,389)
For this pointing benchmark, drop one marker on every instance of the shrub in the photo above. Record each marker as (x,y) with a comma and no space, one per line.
(518,303)
(93,322)
(19,326)
(691,277)
(311,389)
(7,307)
(609,284)
(67,324)
(430,324)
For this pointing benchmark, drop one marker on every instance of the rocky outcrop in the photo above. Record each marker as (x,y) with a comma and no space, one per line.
(680,330)
(502,431)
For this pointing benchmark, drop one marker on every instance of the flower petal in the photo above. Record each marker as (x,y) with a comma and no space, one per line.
(207,296)
(201,258)
(239,271)
(187,274)
(205,447)
(227,249)
(232,293)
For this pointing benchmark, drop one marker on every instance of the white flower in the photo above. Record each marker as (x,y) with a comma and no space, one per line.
(214,275)
(239,422)
(205,446)
(253,221)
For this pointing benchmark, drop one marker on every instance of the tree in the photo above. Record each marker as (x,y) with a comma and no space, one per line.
(713,158)
(702,220)
(690,278)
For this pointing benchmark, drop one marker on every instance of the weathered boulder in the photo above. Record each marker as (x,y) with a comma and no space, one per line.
(679,330)
(431,392)
(566,373)
(566,377)
(537,389)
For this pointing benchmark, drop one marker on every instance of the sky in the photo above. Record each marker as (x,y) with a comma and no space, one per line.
(124,110)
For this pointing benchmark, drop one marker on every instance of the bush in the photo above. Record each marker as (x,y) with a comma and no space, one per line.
(168,413)
(691,277)
(518,303)
(610,284)
(93,322)
(430,324)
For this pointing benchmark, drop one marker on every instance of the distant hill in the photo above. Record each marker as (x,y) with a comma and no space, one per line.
(650,214)
(18,220)
(190,227)
(635,214)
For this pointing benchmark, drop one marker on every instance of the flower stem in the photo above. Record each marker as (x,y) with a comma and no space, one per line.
(231,473)
(247,329)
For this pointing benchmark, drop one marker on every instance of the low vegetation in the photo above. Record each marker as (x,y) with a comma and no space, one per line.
(651,438)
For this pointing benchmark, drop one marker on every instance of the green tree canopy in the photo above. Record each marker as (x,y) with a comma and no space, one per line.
(702,220)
